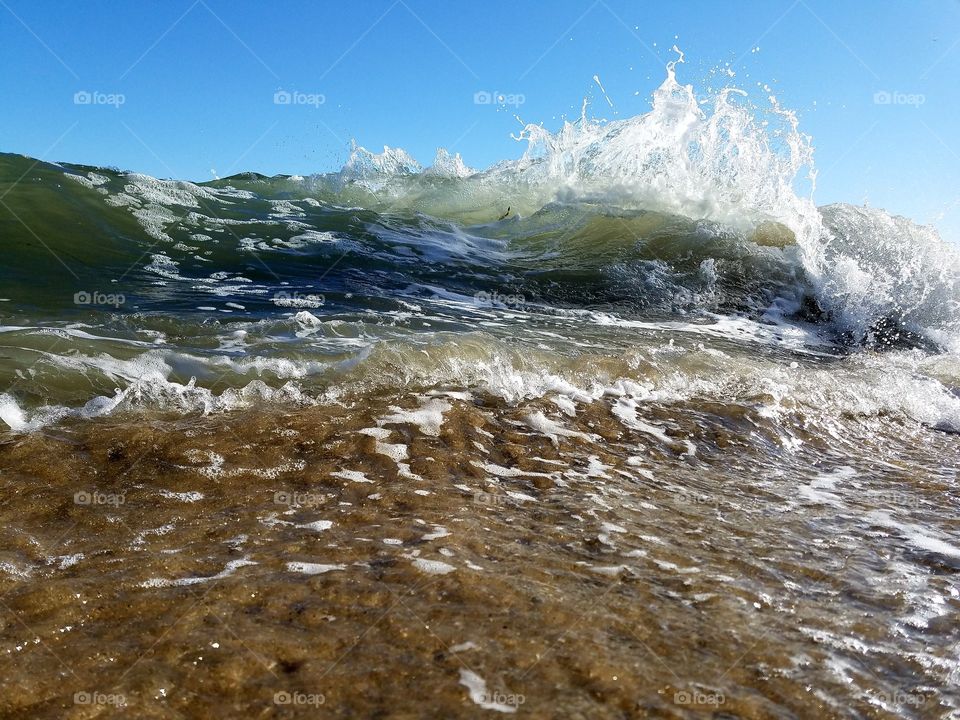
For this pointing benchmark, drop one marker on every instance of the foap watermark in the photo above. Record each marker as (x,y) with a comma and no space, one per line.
(485,97)
(99,698)
(696,697)
(86,97)
(497,298)
(691,497)
(502,699)
(99,298)
(887,97)
(298,300)
(285,97)
(283,697)
(898,499)
(490,499)
(95,497)
(294,497)
(898,698)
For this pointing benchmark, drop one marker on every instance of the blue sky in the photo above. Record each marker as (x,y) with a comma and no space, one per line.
(198,80)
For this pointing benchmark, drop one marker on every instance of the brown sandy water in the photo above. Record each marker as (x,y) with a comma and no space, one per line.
(281,563)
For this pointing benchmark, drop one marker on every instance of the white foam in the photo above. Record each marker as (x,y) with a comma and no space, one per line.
(308,568)
(65,561)
(917,536)
(822,489)
(227,571)
(428,417)
(187,497)
(352,476)
(433,567)
(395,452)
(15,570)
(554,430)
(318,525)
(464,646)
(12,414)
(611,570)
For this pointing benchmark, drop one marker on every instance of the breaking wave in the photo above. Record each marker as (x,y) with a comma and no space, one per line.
(693,220)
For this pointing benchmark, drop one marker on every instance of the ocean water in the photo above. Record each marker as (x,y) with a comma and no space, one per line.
(628,427)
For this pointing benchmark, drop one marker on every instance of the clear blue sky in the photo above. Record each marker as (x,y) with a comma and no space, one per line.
(198,79)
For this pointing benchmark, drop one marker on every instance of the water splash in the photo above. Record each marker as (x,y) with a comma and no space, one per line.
(718,158)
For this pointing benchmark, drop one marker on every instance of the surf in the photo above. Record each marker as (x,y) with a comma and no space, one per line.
(696,218)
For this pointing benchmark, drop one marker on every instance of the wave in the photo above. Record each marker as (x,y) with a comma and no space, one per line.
(700,167)
(698,213)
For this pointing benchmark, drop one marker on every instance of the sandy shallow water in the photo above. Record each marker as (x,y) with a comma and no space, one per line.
(324,562)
